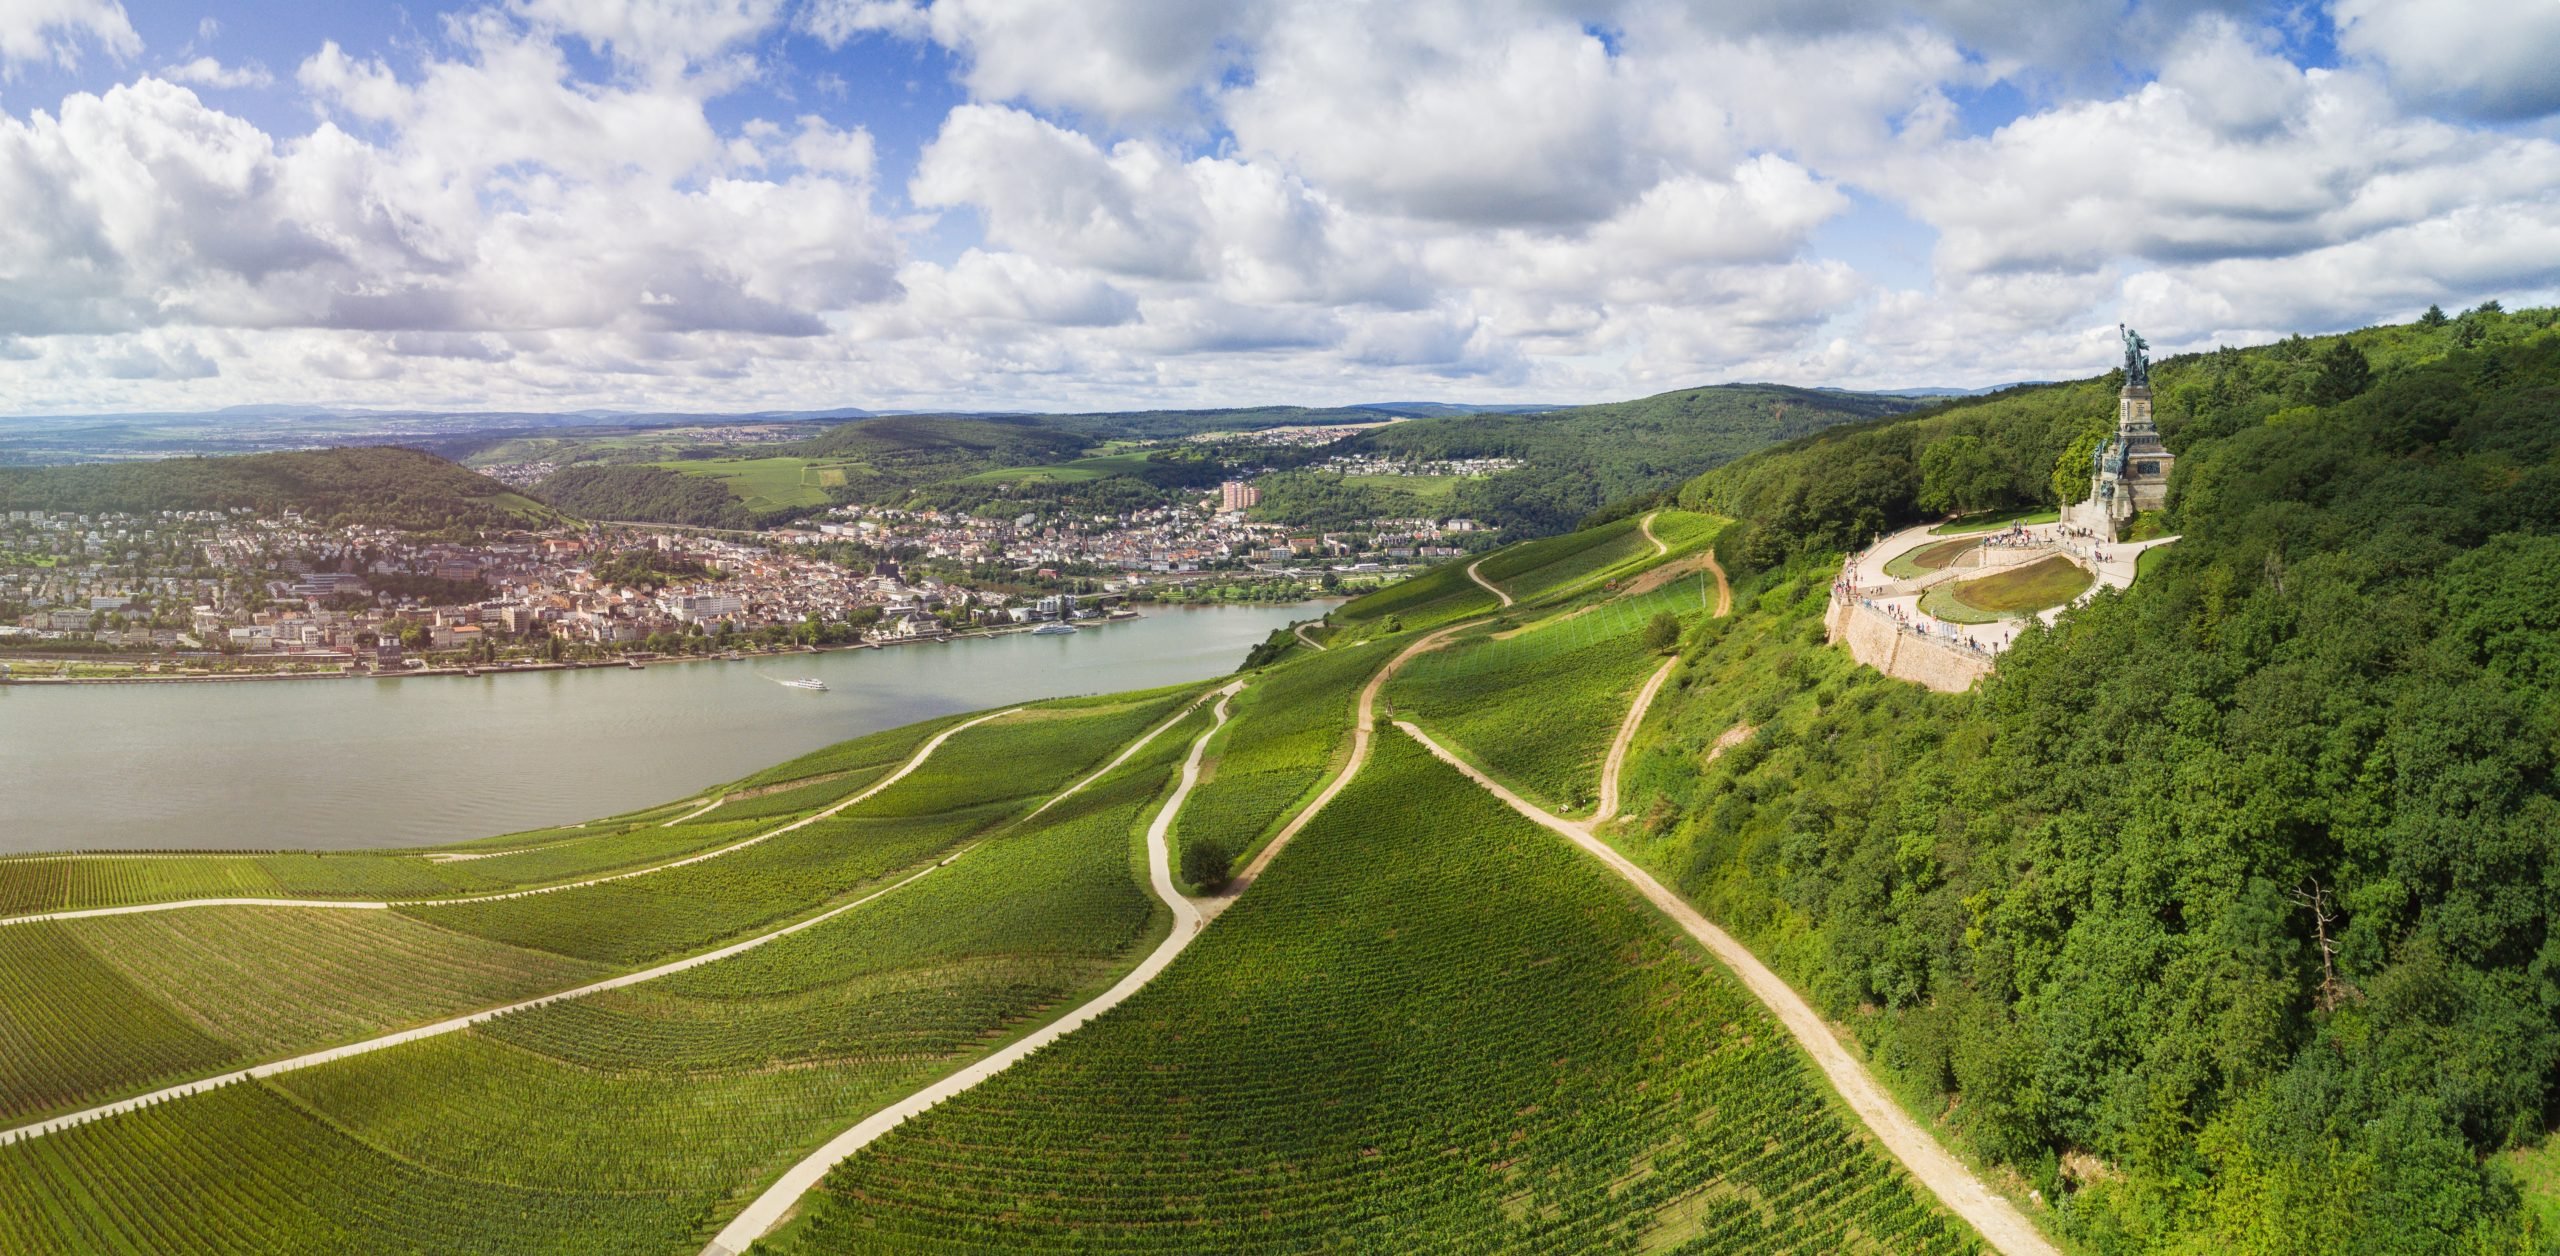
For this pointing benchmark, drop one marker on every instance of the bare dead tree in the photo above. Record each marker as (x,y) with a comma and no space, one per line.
(2314,898)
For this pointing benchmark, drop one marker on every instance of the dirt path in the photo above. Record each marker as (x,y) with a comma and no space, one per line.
(701,810)
(1724,587)
(1608,808)
(777,1201)
(1301,630)
(916,761)
(669,968)
(1490,587)
(1645,525)
(1999,1222)
(1362,727)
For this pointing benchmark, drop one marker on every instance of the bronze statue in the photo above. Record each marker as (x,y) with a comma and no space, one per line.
(2137,358)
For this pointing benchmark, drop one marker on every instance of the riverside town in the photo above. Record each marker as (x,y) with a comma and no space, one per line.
(172,593)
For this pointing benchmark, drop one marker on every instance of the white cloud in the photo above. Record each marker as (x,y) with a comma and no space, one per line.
(207,72)
(2489,57)
(661,38)
(55,30)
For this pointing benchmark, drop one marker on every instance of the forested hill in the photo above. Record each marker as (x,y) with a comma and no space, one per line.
(2223,913)
(1582,457)
(376,485)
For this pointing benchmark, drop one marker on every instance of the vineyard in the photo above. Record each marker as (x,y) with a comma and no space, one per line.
(1429,1028)
(1539,707)
(95,1009)
(633,1119)
(1442,595)
(979,778)
(1284,739)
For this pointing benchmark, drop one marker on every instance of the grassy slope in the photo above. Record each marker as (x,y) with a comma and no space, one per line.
(383,486)
(1431,1027)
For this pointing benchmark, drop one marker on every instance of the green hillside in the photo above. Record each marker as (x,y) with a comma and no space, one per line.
(1581,458)
(380,486)
(2224,913)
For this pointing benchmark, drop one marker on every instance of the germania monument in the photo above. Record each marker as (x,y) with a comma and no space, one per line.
(2130,472)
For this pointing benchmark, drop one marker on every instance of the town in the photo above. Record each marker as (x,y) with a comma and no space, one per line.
(229,593)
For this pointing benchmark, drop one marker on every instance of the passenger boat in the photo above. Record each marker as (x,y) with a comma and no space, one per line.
(808,682)
(1058,628)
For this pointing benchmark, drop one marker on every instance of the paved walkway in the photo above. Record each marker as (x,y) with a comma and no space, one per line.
(2113,564)
(922,753)
(769,1208)
(41,1128)
(1490,587)
(1996,1218)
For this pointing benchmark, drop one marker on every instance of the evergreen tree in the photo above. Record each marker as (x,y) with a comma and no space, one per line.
(2344,373)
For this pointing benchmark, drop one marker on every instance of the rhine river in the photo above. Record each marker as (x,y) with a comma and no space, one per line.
(386,763)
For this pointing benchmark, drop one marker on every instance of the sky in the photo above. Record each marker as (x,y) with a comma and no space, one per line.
(743,205)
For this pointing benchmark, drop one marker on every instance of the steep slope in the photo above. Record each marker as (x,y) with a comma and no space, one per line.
(2224,912)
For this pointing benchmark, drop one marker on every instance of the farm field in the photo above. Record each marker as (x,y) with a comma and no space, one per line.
(1430,1028)
(1075,471)
(2022,590)
(1286,735)
(763,484)
(633,1119)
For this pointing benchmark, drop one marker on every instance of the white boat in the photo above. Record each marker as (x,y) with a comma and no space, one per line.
(808,682)
(1053,629)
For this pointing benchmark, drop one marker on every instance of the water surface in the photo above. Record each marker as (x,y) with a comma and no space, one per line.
(383,763)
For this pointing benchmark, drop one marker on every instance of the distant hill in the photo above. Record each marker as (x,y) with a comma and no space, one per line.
(643,494)
(382,486)
(1585,456)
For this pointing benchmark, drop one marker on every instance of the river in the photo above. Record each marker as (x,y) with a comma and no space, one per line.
(311,765)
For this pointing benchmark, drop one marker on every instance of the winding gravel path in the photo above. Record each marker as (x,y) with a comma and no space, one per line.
(1645,525)
(1363,725)
(1301,630)
(769,1208)
(1608,808)
(1490,587)
(270,1069)
(916,761)
(1996,1218)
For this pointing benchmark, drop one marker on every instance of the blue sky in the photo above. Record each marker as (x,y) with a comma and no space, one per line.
(751,204)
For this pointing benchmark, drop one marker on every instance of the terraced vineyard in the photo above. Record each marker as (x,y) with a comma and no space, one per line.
(1430,1028)
(636,1118)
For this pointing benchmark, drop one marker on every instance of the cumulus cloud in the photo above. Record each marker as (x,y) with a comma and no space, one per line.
(207,72)
(578,202)
(2491,58)
(57,30)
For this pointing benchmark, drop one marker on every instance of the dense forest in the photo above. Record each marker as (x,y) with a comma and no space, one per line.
(1582,457)
(639,494)
(889,456)
(2223,913)
(379,486)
